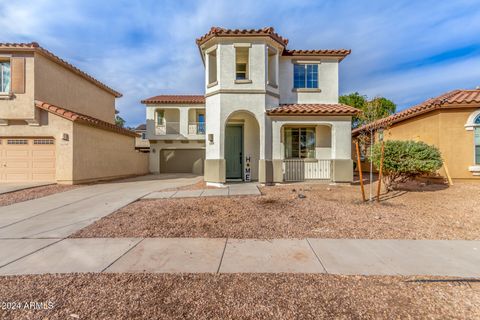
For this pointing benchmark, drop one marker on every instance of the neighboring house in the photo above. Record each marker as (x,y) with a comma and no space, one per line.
(141,142)
(57,123)
(451,122)
(269,114)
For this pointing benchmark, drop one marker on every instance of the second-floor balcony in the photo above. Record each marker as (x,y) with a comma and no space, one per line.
(196,128)
(167,128)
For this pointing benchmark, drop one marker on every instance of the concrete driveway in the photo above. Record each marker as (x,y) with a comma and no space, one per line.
(6,187)
(61,214)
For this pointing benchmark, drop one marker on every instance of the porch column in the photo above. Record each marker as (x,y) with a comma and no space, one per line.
(183,126)
(341,152)
(214,140)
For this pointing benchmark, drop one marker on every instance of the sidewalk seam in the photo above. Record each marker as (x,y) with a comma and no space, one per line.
(318,258)
(121,256)
(221,258)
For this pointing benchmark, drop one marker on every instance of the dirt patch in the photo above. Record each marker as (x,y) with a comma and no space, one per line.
(298,211)
(33,193)
(237,296)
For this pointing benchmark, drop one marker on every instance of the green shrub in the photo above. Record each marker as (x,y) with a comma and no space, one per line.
(405,160)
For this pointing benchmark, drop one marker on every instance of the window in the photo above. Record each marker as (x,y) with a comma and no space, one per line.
(43,141)
(272,68)
(305,76)
(201,123)
(17,141)
(212,67)
(477,140)
(299,143)
(4,76)
(160,117)
(144,136)
(241,63)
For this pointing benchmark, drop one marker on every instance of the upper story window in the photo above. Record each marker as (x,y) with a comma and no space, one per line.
(212,67)
(5,76)
(272,67)
(305,76)
(241,63)
(144,135)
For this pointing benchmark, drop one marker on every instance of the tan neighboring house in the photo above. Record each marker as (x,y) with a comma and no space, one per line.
(57,123)
(268,114)
(451,122)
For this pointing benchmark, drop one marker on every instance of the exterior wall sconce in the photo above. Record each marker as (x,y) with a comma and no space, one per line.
(65,137)
(210,138)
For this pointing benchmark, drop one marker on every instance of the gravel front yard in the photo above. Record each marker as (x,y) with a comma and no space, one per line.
(238,296)
(33,193)
(325,212)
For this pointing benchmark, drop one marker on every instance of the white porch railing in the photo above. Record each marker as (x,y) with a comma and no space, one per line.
(306,169)
(196,128)
(167,128)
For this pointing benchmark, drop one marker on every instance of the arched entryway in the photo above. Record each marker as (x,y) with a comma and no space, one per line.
(241,146)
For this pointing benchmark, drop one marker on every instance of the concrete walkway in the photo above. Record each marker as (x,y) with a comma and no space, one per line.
(455,258)
(7,187)
(61,214)
(235,189)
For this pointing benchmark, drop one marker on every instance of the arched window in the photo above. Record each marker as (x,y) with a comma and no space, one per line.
(477,120)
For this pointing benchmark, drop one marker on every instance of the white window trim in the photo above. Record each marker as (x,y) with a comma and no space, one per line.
(242,45)
(7,57)
(306,62)
(470,124)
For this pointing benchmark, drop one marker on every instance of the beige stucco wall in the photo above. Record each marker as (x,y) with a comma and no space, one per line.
(50,126)
(21,106)
(59,86)
(101,154)
(445,129)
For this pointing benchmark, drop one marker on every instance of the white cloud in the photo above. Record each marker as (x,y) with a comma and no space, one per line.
(143,48)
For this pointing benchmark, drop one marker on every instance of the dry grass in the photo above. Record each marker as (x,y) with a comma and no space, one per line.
(33,193)
(325,212)
(238,296)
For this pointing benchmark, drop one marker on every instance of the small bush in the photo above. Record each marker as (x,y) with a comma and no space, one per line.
(406,160)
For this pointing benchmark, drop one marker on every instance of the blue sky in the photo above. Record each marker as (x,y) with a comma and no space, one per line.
(407,51)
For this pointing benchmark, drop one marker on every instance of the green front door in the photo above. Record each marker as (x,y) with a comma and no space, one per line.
(233,151)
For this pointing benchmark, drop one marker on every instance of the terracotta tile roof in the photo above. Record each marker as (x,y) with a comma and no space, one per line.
(313,109)
(83,119)
(141,127)
(449,99)
(222,32)
(34,46)
(175,99)
(342,53)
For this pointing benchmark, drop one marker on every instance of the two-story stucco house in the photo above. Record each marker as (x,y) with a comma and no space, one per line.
(57,123)
(268,113)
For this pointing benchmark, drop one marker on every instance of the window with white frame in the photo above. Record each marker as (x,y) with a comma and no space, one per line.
(241,63)
(212,67)
(305,76)
(299,143)
(477,139)
(5,76)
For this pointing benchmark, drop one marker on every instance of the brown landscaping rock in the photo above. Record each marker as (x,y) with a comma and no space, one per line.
(446,213)
(33,193)
(238,296)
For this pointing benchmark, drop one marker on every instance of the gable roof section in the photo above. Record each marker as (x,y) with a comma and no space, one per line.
(83,119)
(449,99)
(175,99)
(312,109)
(35,47)
(222,32)
(141,127)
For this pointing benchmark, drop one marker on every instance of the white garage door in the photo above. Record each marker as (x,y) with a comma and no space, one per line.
(27,159)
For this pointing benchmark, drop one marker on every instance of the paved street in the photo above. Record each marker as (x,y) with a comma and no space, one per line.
(455,258)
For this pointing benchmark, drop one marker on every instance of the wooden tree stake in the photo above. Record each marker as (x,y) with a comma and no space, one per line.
(359,165)
(380,172)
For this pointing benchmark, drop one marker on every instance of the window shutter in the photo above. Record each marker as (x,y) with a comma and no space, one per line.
(18,74)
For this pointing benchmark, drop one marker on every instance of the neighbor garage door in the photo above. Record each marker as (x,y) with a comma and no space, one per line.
(31,159)
(182,161)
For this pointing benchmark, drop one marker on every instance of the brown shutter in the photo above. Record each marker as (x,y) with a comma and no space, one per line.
(18,74)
